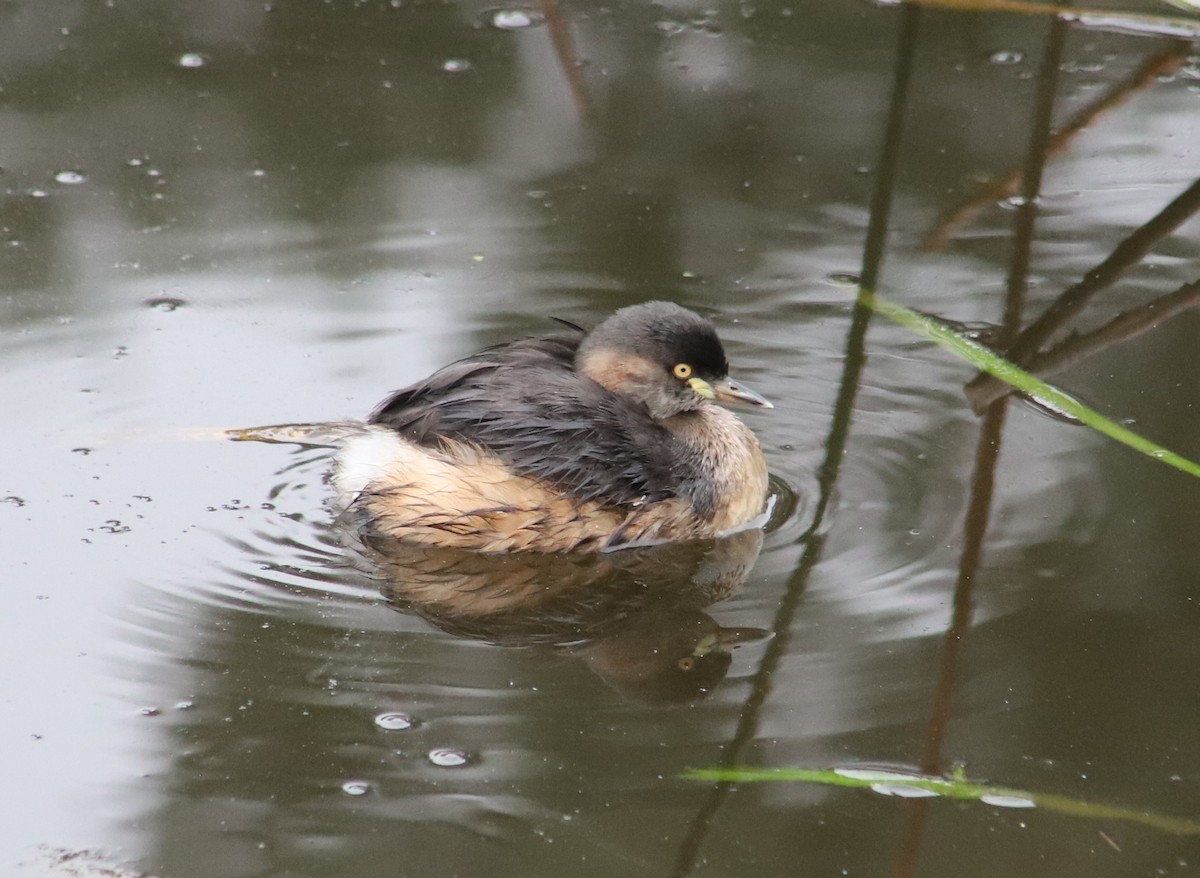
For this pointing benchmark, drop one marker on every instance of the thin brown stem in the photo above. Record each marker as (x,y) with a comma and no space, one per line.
(1123,327)
(564,48)
(1073,300)
(987,456)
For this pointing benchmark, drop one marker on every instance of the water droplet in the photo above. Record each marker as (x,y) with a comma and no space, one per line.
(184,705)
(164,303)
(879,775)
(448,757)
(38,193)
(83,451)
(70,178)
(1006,56)
(258,172)
(515,18)
(903,791)
(356,788)
(136,162)
(14,500)
(456,65)
(150,711)
(1002,801)
(191,60)
(394,722)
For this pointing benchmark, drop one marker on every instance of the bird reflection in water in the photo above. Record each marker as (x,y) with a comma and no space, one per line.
(636,618)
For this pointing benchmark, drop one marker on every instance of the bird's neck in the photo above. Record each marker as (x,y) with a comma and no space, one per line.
(724,468)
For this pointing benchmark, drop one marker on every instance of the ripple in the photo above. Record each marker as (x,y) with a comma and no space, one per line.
(165,303)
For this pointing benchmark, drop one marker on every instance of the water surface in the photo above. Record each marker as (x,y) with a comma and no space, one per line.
(221,215)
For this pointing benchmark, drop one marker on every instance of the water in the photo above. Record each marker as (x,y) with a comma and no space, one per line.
(215,217)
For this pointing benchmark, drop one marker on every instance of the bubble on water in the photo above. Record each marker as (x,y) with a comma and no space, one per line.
(515,18)
(394,721)
(448,757)
(456,65)
(165,303)
(1013,202)
(1006,56)
(191,60)
(136,162)
(38,193)
(184,705)
(70,178)
(150,711)
(14,500)
(356,788)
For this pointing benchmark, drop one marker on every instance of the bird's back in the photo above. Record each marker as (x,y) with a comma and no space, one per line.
(525,403)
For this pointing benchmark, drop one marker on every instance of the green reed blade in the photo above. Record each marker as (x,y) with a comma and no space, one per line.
(982,358)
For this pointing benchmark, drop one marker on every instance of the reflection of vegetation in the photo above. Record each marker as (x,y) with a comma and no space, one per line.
(981,357)
(1102,19)
(906,785)
(1159,65)
(1026,349)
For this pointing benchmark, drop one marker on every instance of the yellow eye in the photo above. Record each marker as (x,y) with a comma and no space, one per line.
(683,371)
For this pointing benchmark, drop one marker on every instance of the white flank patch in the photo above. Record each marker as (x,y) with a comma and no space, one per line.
(364,458)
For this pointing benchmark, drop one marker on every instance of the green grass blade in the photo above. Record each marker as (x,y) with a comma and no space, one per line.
(906,785)
(982,358)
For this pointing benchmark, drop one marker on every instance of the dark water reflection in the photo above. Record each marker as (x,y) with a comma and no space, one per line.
(221,214)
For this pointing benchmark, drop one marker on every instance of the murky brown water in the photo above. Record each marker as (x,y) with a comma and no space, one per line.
(215,215)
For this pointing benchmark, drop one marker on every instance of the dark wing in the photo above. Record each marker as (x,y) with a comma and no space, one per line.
(526,404)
